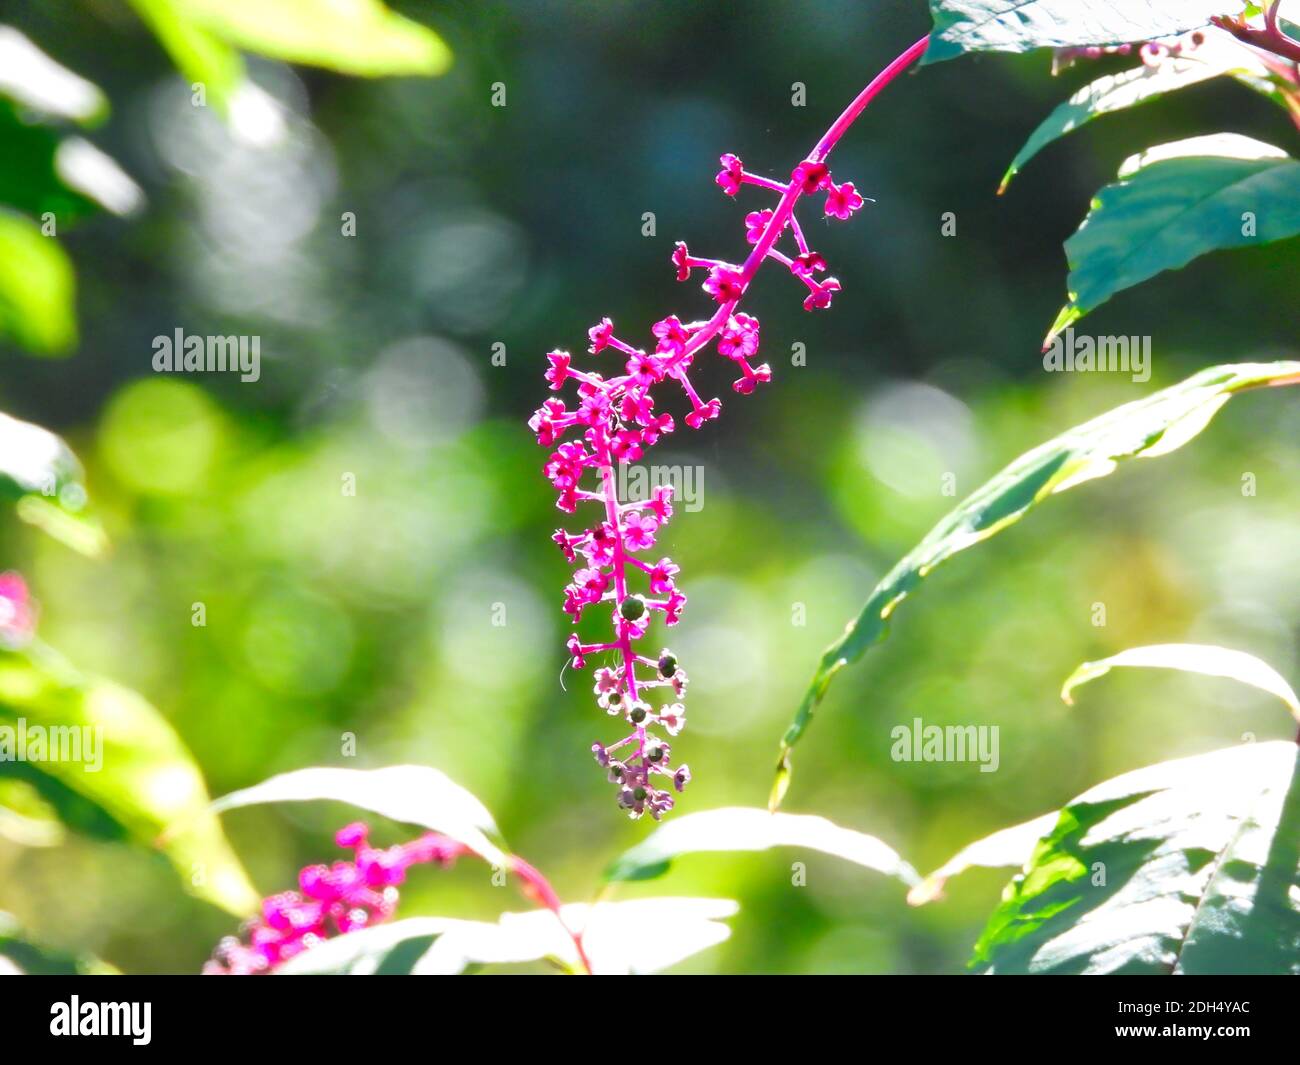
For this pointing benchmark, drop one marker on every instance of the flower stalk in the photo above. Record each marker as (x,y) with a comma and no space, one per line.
(615,421)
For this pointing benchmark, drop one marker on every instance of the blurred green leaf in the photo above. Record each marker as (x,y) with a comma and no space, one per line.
(1176,202)
(1006,847)
(635,936)
(32,959)
(962,26)
(1191,658)
(67,177)
(37,288)
(1144,428)
(200,56)
(739,828)
(39,472)
(1117,92)
(131,763)
(351,36)
(35,81)
(415,794)
(1186,867)
(25,817)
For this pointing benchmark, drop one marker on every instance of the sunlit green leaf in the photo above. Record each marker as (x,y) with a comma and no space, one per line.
(740,828)
(352,36)
(415,794)
(43,477)
(33,80)
(37,288)
(1116,92)
(1192,658)
(1186,867)
(121,754)
(962,26)
(1175,202)
(637,936)
(1144,428)
(1007,847)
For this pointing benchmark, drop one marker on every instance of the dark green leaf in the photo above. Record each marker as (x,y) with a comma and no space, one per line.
(1175,202)
(1116,92)
(1022,25)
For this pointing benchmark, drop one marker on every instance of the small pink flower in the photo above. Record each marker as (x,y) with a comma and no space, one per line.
(625,446)
(600,335)
(807,263)
(575,649)
(673,608)
(738,339)
(671,335)
(638,405)
(543,421)
(607,680)
(673,718)
(732,173)
(681,257)
(639,530)
(559,371)
(566,543)
(755,223)
(704,413)
(661,576)
(842,200)
(726,284)
(661,502)
(759,375)
(645,369)
(810,177)
(820,295)
(599,547)
(655,428)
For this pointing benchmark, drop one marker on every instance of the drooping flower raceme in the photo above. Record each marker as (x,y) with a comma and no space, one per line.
(612,417)
(330,901)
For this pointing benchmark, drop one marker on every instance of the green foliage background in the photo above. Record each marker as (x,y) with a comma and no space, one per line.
(521,226)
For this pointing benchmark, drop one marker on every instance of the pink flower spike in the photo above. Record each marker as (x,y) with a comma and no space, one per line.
(755,223)
(600,335)
(811,177)
(842,200)
(731,175)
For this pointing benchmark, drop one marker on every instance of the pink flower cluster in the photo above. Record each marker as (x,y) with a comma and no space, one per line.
(330,901)
(17,612)
(614,419)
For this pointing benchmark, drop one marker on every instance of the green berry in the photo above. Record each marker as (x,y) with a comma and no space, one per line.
(632,608)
